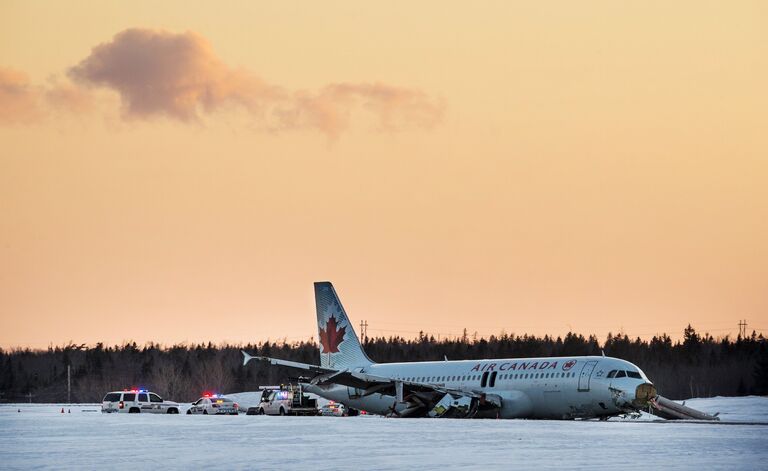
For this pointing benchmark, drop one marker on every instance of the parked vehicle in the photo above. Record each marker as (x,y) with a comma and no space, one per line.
(135,401)
(213,404)
(251,406)
(333,409)
(289,400)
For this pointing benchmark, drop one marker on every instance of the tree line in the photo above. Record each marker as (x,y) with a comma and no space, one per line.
(696,366)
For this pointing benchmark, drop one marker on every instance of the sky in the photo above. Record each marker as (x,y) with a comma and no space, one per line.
(177,172)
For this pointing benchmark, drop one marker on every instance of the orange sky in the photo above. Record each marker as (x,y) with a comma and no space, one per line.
(183,173)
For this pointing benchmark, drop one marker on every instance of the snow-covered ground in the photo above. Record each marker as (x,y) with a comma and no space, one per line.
(40,436)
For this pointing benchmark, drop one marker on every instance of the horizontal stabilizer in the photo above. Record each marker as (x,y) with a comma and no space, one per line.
(246,357)
(286,363)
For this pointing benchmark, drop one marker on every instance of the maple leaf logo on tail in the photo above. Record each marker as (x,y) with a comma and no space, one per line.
(331,336)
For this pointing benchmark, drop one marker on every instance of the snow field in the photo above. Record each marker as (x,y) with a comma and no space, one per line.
(40,437)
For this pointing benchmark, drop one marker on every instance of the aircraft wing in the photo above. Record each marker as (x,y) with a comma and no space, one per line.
(289,364)
(418,396)
(381,384)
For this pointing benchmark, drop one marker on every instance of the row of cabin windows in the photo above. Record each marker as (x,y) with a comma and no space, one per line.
(506,376)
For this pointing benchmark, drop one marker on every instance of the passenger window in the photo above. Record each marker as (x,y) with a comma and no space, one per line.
(129,397)
(154,398)
(621,374)
(143,398)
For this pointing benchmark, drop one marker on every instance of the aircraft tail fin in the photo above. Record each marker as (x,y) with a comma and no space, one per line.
(246,357)
(340,347)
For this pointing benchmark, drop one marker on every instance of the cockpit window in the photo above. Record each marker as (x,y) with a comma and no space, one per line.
(612,374)
(621,374)
(634,374)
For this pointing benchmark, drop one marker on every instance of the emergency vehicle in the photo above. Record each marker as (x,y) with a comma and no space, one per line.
(333,409)
(135,401)
(213,404)
(290,400)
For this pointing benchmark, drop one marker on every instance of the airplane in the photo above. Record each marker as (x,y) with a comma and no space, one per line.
(574,387)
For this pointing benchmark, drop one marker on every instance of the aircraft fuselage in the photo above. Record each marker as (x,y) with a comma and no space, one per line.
(541,388)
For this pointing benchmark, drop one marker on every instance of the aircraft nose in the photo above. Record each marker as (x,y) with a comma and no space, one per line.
(643,394)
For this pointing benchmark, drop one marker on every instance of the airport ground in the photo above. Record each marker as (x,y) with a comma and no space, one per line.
(41,437)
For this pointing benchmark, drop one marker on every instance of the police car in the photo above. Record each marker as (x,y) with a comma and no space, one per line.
(333,409)
(213,404)
(135,401)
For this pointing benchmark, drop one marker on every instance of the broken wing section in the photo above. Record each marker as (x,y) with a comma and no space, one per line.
(415,399)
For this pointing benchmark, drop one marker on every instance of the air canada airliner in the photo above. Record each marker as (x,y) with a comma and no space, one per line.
(509,388)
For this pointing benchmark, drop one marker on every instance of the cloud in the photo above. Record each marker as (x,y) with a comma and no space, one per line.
(21,102)
(330,108)
(68,97)
(19,99)
(159,73)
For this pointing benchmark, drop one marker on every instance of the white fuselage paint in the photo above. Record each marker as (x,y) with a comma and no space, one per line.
(543,388)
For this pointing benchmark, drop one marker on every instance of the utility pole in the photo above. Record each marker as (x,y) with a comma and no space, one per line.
(363,330)
(69,385)
(743,328)
(30,396)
